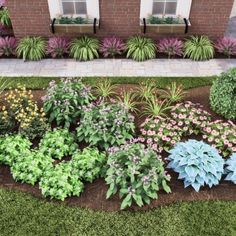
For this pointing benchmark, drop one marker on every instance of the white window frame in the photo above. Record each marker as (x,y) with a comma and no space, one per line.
(55,9)
(183,8)
(74,15)
(165,1)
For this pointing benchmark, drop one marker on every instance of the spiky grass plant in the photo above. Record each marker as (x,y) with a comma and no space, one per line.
(105,89)
(129,99)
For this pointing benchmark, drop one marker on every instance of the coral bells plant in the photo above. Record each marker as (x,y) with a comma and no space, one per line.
(7,46)
(63,101)
(137,173)
(197,163)
(58,47)
(221,135)
(226,46)
(112,46)
(171,47)
(104,125)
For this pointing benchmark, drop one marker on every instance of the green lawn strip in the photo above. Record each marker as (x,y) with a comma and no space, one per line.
(21,215)
(161,82)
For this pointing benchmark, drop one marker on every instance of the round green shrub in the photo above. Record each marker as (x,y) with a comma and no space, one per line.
(223,95)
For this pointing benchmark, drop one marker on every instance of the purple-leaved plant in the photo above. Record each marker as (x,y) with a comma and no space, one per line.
(58,47)
(7,46)
(2,3)
(171,47)
(226,46)
(112,46)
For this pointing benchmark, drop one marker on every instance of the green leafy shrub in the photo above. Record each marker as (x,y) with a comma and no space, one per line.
(31,48)
(137,173)
(84,49)
(58,143)
(12,148)
(63,101)
(89,164)
(105,125)
(30,167)
(60,182)
(223,95)
(140,48)
(199,48)
(7,124)
(197,163)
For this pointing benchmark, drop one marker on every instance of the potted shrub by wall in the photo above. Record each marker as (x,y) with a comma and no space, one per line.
(164,25)
(74,25)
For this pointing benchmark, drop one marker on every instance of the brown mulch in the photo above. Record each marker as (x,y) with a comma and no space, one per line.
(94,195)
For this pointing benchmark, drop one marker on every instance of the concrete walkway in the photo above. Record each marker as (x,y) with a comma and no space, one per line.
(114,67)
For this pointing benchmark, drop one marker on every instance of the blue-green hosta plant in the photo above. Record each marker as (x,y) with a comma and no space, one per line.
(199,48)
(58,143)
(60,182)
(12,147)
(197,163)
(230,168)
(63,101)
(105,124)
(140,48)
(31,167)
(89,164)
(84,49)
(137,173)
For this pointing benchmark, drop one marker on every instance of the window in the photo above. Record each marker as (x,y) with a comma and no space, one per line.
(74,7)
(164,7)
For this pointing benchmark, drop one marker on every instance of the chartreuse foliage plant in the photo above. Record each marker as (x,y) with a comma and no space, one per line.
(63,101)
(84,49)
(58,143)
(12,148)
(198,48)
(136,173)
(105,124)
(230,168)
(5,19)
(60,182)
(31,48)
(197,163)
(223,95)
(140,48)
(31,167)
(89,164)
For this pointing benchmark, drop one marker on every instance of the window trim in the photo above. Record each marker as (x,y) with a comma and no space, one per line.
(74,15)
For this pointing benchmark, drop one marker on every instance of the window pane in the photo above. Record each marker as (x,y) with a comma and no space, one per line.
(68,8)
(81,8)
(158,8)
(171,8)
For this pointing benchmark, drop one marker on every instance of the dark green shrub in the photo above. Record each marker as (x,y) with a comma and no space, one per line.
(223,95)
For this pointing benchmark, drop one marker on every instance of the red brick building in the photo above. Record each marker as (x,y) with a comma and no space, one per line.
(119,17)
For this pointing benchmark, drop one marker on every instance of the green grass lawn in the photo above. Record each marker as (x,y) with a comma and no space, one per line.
(161,82)
(24,215)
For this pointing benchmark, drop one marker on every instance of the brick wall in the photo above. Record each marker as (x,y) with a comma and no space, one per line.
(119,17)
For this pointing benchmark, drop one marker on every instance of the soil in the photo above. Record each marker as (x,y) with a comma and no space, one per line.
(94,195)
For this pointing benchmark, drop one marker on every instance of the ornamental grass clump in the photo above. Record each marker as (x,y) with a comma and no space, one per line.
(63,101)
(223,94)
(84,49)
(5,17)
(58,47)
(197,163)
(111,47)
(226,46)
(89,164)
(137,173)
(140,48)
(12,148)
(105,124)
(31,48)
(198,48)
(58,143)
(230,169)
(8,46)
(61,182)
(31,167)
(171,46)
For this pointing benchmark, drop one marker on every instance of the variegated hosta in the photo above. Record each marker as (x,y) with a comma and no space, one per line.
(197,163)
